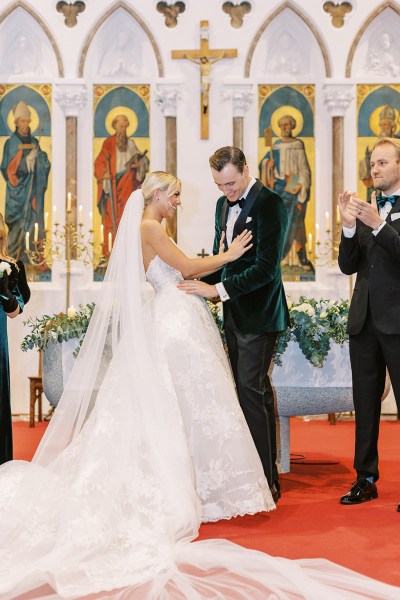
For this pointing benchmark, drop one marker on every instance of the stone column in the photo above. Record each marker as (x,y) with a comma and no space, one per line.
(71,97)
(241,95)
(166,98)
(337,97)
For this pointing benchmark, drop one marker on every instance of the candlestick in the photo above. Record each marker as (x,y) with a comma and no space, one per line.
(71,312)
(102,234)
(46,220)
(91,220)
(80,214)
(69,202)
(327,222)
(316,233)
(310,242)
(54,214)
(27,241)
(338,215)
(36,233)
(110,242)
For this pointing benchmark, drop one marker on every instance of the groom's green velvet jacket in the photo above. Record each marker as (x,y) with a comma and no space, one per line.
(254,281)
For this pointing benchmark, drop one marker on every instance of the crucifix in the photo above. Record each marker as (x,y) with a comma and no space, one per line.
(205,58)
(203,253)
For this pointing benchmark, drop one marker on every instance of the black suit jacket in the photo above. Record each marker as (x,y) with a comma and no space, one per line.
(254,281)
(376,260)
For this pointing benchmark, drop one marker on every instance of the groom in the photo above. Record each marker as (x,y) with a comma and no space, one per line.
(252,293)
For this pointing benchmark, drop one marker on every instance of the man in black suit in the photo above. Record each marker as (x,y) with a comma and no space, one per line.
(251,289)
(370,246)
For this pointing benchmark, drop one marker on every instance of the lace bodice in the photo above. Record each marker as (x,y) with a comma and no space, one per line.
(161,276)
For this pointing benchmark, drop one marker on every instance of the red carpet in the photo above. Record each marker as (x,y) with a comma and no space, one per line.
(310,522)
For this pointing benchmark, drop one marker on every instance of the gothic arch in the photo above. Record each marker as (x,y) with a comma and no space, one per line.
(364,27)
(42,24)
(304,18)
(103,19)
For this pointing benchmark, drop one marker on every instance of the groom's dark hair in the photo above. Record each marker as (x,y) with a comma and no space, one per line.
(228,155)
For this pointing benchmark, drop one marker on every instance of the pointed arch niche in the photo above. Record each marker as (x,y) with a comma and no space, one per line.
(375,51)
(121,50)
(28,50)
(288,59)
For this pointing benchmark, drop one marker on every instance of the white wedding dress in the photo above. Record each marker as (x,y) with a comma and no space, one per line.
(113,499)
(228,474)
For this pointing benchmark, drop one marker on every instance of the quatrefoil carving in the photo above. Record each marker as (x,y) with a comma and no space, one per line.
(236,12)
(337,12)
(171,12)
(70,11)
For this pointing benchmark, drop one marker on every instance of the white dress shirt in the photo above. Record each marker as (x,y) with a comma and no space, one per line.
(233,214)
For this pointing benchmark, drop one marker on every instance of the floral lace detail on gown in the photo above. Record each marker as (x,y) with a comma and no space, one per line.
(229,477)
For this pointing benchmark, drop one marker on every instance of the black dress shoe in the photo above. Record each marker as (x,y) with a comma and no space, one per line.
(362,490)
(275,492)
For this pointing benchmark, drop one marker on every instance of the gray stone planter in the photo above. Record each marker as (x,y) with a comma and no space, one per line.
(58,360)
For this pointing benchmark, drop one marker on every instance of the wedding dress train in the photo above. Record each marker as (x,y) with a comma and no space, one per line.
(109,508)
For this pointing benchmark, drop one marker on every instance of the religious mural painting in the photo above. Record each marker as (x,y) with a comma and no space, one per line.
(121,151)
(378,108)
(286,154)
(25,181)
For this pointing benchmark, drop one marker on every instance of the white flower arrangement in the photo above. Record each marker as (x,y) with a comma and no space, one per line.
(314,324)
(4,267)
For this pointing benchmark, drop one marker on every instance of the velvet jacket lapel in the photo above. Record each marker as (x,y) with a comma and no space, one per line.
(244,213)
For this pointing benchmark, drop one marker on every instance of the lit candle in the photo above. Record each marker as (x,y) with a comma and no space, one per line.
(54,214)
(80,214)
(36,233)
(69,202)
(316,233)
(91,220)
(102,234)
(110,242)
(338,215)
(71,312)
(46,220)
(310,242)
(327,222)
(27,241)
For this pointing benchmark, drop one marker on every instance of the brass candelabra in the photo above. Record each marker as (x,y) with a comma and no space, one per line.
(70,241)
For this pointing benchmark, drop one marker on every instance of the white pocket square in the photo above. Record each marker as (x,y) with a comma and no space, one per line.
(250,218)
(395,216)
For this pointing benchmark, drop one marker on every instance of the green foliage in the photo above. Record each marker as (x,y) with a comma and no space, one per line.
(314,324)
(58,327)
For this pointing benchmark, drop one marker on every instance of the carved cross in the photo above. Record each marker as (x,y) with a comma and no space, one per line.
(205,58)
(203,253)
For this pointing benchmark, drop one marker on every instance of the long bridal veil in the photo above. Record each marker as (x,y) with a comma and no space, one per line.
(108,509)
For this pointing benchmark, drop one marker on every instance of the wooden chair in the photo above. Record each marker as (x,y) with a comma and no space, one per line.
(36,391)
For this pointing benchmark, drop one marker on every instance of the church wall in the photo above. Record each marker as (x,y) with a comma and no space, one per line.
(73,59)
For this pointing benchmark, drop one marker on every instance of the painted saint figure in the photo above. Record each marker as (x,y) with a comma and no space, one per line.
(387,128)
(291,179)
(120,169)
(25,168)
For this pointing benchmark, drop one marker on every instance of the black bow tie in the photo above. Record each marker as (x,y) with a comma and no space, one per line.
(240,202)
(381,200)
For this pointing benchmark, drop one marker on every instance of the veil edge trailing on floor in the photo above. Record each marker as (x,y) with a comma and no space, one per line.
(116,448)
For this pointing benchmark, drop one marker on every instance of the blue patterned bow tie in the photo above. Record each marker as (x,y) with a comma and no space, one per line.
(381,200)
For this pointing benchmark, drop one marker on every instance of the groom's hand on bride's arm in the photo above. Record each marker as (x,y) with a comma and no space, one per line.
(200,288)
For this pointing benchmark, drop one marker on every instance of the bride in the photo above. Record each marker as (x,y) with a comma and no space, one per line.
(146,436)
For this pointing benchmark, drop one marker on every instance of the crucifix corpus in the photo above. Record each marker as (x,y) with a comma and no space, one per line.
(205,58)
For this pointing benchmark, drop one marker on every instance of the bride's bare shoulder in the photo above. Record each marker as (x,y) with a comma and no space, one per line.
(151,226)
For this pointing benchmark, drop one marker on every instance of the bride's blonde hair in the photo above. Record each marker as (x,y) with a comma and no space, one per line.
(4,242)
(159,180)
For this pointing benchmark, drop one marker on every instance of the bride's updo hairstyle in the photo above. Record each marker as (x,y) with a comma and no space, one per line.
(159,180)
